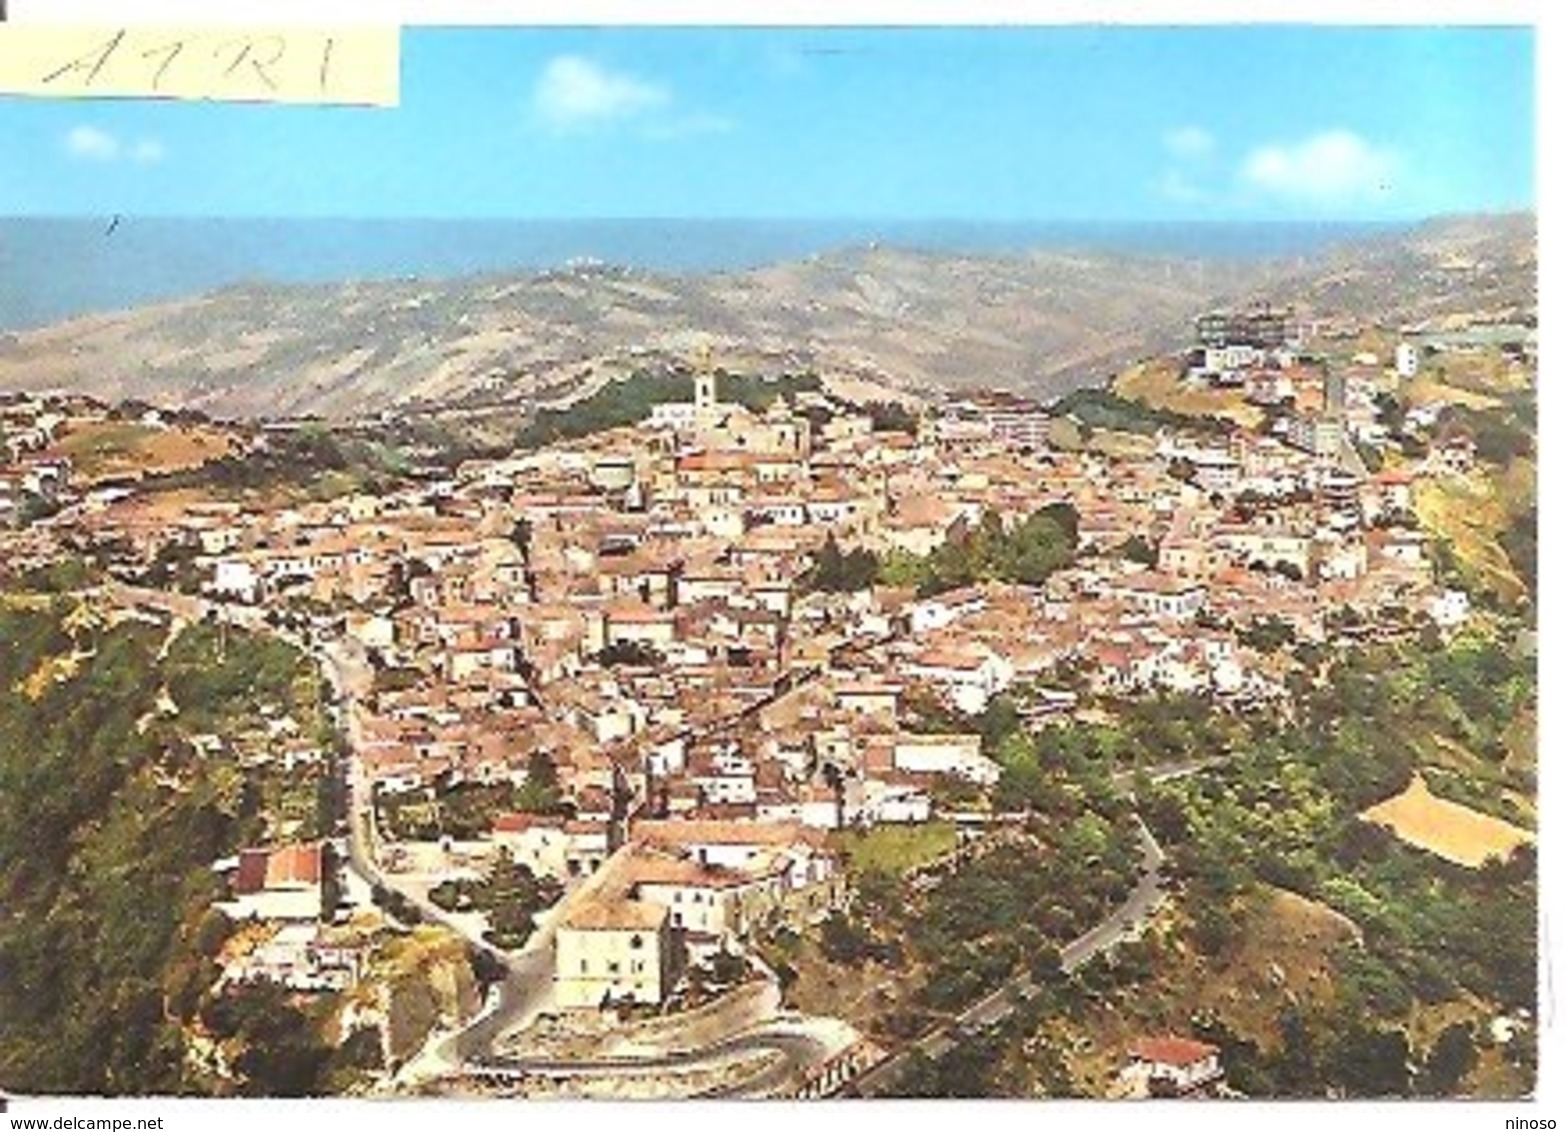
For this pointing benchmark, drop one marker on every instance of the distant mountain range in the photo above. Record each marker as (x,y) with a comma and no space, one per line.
(962,314)
(52,270)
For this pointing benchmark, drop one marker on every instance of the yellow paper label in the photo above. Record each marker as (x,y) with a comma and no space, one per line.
(349,66)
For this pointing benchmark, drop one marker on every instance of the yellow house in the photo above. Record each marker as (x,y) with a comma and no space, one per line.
(610,950)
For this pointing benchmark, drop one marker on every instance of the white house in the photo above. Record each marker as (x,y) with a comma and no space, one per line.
(941,610)
(236,578)
(944,754)
(1171,1067)
(1407,360)
(1448,609)
(277,884)
(971,677)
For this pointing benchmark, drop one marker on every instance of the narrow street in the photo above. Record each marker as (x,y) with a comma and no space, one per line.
(526,988)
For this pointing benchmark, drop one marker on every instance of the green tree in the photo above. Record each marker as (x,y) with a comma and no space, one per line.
(1451,1058)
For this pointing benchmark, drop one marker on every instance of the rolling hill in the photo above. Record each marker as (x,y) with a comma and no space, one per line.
(1044,322)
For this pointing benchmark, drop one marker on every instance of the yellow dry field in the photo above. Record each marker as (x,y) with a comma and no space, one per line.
(1425,390)
(1160,386)
(1451,831)
(1472,511)
(110,449)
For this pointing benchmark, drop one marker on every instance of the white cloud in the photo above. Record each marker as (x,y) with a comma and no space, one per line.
(574,92)
(92,144)
(1336,166)
(88,143)
(1189,142)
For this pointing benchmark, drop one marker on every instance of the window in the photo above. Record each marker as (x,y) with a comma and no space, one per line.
(614,967)
(636,942)
(584,966)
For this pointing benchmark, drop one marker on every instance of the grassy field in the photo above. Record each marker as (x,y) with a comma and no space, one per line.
(896,849)
(109,449)
(1453,832)
(1159,385)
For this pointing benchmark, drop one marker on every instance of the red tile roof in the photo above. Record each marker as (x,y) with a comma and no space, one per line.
(1172,1050)
(521,823)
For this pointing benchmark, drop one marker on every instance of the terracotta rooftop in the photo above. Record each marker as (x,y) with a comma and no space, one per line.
(682,833)
(521,823)
(607,914)
(278,868)
(1172,1050)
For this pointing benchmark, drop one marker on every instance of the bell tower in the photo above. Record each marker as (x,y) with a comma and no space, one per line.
(706,382)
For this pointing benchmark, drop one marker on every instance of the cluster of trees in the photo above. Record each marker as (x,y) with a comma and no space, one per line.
(1337,1051)
(1500,435)
(1267,634)
(281,1051)
(1285,812)
(892,416)
(635,654)
(1008,1060)
(981,919)
(106,863)
(1028,553)
(834,571)
(757,393)
(1103,409)
(466,810)
(510,895)
(61,576)
(218,673)
(1520,540)
(850,941)
(616,405)
(622,403)
(396,905)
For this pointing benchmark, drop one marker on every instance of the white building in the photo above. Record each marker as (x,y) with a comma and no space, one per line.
(1448,609)
(1407,360)
(1164,1067)
(277,884)
(971,677)
(944,754)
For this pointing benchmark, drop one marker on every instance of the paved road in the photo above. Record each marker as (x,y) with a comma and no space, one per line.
(1123,923)
(800,1051)
(529,974)
(526,988)
(1167,772)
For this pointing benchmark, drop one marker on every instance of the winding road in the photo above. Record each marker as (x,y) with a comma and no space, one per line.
(1125,922)
(526,987)
(800,1051)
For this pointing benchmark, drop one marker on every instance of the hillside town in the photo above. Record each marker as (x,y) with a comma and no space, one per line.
(661,667)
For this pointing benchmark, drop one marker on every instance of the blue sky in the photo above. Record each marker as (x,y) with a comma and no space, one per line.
(1064,123)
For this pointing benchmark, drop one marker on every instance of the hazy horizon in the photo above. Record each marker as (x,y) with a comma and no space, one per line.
(53,269)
